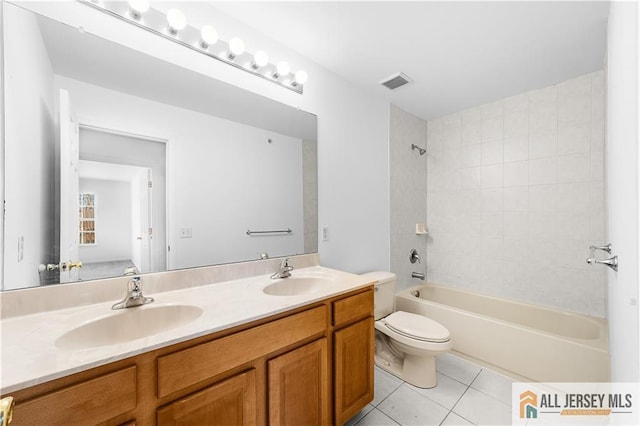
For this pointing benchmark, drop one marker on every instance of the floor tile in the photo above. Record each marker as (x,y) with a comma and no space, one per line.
(457,368)
(408,407)
(455,420)
(385,384)
(447,393)
(377,418)
(482,409)
(494,384)
(359,415)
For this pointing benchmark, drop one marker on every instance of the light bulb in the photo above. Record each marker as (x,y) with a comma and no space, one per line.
(138,7)
(208,36)
(260,59)
(236,47)
(176,19)
(300,77)
(282,69)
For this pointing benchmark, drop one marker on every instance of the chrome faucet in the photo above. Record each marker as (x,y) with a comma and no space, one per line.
(134,295)
(284,271)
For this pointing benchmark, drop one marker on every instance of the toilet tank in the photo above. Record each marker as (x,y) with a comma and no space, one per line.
(385,291)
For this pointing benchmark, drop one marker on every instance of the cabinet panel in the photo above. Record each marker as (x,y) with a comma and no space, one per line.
(209,359)
(353,357)
(352,308)
(298,386)
(231,402)
(83,403)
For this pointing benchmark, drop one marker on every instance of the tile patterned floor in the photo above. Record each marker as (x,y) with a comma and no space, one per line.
(467,394)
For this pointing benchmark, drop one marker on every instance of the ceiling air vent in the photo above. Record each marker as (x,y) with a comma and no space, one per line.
(396,80)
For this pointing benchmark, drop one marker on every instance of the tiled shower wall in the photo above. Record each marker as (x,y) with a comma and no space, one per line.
(515,195)
(408,176)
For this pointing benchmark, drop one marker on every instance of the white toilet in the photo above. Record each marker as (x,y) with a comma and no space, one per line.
(406,343)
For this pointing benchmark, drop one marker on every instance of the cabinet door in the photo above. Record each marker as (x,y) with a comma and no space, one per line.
(353,357)
(298,386)
(228,403)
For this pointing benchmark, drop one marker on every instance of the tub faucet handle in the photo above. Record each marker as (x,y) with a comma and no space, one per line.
(606,247)
(414,256)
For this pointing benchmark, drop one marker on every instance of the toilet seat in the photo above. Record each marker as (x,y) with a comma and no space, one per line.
(417,327)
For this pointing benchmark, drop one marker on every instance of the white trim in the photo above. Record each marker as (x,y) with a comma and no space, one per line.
(84,126)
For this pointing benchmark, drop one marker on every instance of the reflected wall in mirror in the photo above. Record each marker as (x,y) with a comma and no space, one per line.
(130,164)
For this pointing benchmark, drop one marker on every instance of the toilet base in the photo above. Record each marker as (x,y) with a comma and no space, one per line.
(387,357)
(419,371)
(394,369)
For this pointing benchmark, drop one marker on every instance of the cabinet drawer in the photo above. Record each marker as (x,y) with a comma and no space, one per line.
(91,402)
(352,308)
(193,365)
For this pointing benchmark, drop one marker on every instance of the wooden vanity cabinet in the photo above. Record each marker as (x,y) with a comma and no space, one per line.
(353,347)
(312,365)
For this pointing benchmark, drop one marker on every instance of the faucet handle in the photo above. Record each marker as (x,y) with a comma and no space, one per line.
(606,247)
(285,263)
(135,283)
(134,287)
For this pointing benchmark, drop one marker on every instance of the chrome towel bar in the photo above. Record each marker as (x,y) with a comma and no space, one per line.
(281,231)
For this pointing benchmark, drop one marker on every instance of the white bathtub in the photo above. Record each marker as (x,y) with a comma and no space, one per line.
(536,343)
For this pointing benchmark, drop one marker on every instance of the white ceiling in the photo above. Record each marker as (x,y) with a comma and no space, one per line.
(459,54)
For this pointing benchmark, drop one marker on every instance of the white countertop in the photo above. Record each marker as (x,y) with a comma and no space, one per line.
(30,356)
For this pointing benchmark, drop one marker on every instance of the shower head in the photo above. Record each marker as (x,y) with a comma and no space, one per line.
(420,150)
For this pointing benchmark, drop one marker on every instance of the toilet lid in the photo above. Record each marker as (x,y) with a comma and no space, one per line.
(417,327)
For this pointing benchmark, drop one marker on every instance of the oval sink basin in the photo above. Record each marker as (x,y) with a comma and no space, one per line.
(127,325)
(294,286)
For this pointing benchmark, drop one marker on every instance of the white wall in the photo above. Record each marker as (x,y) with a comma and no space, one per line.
(113,221)
(29,159)
(353,127)
(623,163)
(223,177)
(516,196)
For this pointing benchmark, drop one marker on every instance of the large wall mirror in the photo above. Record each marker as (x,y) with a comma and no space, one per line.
(130,164)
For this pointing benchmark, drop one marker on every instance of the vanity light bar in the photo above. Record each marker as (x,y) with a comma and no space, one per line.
(175,28)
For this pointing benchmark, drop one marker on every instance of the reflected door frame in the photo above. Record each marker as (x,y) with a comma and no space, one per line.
(153,260)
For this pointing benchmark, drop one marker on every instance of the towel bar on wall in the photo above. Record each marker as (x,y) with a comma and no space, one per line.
(281,231)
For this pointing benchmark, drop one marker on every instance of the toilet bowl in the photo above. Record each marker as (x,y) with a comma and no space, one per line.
(406,343)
